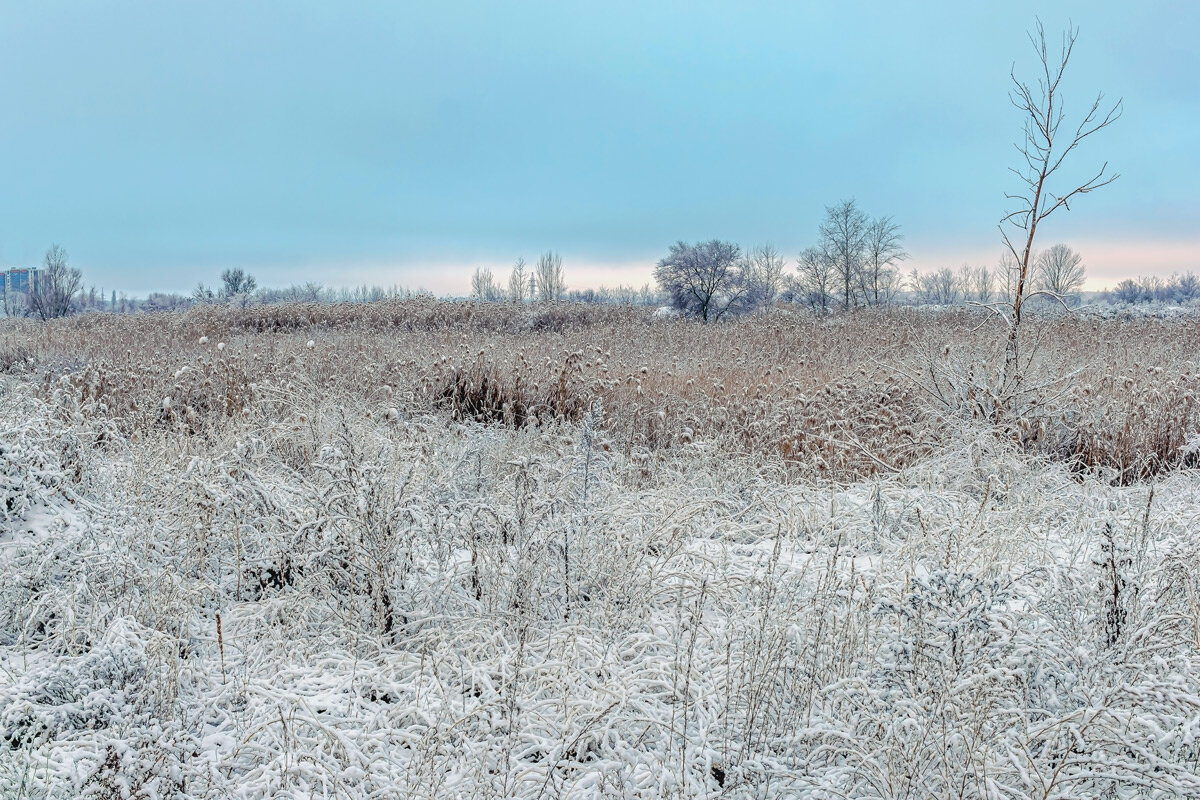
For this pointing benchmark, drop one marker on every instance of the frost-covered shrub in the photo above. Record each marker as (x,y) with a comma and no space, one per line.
(87,692)
(27,474)
(16,358)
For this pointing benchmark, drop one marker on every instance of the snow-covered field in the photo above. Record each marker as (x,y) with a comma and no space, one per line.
(345,603)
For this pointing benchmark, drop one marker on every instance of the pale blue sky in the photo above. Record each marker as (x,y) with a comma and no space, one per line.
(161,142)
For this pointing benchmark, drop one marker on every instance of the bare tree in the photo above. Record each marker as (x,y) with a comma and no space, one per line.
(815,277)
(551,281)
(14,302)
(1007,272)
(1060,271)
(978,284)
(236,282)
(705,279)
(1043,151)
(1128,291)
(518,283)
(844,238)
(483,285)
(764,275)
(310,292)
(985,284)
(966,282)
(1154,288)
(939,288)
(52,292)
(1187,287)
(882,250)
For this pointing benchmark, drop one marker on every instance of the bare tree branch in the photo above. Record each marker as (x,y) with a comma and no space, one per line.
(1044,152)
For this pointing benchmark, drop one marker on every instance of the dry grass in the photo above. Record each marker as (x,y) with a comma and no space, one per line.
(470,558)
(839,398)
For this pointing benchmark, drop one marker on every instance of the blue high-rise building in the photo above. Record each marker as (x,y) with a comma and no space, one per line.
(19,280)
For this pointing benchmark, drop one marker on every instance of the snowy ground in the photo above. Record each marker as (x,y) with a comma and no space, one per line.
(336,606)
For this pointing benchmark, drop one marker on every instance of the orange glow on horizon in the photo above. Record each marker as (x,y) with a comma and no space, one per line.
(1108,262)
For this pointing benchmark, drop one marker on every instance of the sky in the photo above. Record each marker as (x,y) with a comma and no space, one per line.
(405,143)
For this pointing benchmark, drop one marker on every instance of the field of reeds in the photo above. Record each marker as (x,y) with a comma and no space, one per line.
(840,398)
(423,548)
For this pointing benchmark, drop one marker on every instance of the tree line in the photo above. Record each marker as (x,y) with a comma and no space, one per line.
(1177,289)
(1058,272)
(57,290)
(545,281)
(854,263)
(709,280)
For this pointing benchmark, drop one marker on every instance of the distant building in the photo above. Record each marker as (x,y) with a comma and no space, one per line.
(19,280)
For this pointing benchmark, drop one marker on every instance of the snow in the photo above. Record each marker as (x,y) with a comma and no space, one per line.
(705,631)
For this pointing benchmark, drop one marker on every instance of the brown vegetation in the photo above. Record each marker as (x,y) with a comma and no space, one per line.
(837,398)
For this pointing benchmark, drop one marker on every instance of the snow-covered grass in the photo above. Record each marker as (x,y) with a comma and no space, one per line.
(823,398)
(1147,310)
(348,593)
